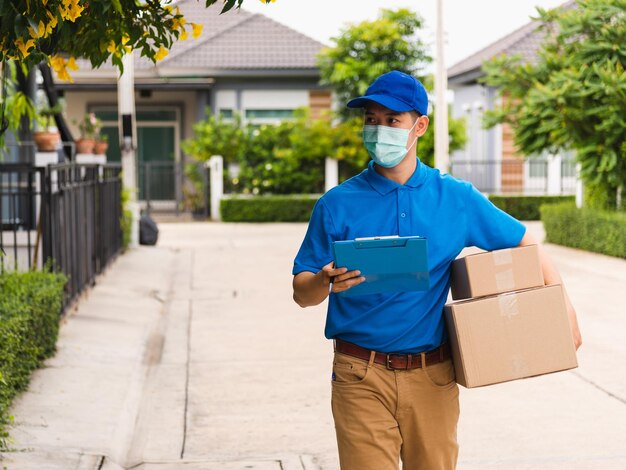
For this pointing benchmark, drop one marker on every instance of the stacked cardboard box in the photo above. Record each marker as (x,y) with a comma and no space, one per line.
(504,323)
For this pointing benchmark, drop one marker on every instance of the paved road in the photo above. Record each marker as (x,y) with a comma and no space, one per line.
(192,355)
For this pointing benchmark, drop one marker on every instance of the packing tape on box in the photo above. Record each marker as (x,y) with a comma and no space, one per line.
(505,280)
(501,257)
(509,307)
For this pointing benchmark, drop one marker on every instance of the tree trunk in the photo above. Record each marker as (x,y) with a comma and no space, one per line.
(53,100)
(27,85)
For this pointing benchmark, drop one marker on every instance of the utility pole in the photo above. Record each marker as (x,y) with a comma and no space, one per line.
(442,159)
(128,140)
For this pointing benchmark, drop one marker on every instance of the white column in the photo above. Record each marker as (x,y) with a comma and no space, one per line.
(554,175)
(128,137)
(441,107)
(580,190)
(331,173)
(216,165)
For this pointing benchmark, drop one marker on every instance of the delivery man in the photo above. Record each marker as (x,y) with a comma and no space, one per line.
(393,390)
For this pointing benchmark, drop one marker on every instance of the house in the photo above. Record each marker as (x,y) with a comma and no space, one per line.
(489,159)
(243,62)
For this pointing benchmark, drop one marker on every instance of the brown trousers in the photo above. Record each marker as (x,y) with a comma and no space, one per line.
(383,415)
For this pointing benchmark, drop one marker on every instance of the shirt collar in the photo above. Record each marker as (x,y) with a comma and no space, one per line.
(385,185)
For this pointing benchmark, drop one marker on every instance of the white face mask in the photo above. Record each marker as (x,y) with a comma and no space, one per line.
(387,145)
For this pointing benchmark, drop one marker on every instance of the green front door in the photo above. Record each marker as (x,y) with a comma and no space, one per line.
(155,148)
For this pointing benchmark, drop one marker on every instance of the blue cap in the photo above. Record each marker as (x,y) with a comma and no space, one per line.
(397,91)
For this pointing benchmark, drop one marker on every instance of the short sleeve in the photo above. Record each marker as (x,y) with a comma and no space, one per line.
(316,249)
(489,227)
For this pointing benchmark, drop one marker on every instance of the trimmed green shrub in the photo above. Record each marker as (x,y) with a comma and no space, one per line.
(30,305)
(286,208)
(526,207)
(588,229)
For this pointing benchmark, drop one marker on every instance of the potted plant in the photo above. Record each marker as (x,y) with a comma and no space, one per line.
(102,144)
(47,136)
(89,129)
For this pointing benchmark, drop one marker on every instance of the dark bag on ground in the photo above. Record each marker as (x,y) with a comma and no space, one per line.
(148,230)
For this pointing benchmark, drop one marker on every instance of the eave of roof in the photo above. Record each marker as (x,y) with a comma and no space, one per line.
(236,44)
(470,68)
(525,41)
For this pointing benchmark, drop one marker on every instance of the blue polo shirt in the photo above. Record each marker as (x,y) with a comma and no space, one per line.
(449,212)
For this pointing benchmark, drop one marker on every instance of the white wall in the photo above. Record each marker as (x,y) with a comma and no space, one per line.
(243,100)
(225,99)
(274,99)
(470,103)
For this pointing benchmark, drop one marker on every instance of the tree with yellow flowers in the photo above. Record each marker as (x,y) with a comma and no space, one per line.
(57,32)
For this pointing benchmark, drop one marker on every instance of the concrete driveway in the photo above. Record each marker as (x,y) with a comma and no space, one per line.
(192,355)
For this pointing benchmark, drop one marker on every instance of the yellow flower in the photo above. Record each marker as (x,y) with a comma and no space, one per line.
(265,1)
(59,65)
(161,53)
(111,47)
(125,40)
(71,63)
(70,9)
(64,75)
(75,11)
(197,30)
(184,35)
(41,31)
(24,47)
(50,27)
(56,62)
(178,23)
(53,19)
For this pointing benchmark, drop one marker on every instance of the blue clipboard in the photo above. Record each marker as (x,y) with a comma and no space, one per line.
(389,264)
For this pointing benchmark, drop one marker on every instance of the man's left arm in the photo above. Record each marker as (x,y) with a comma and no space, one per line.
(552,276)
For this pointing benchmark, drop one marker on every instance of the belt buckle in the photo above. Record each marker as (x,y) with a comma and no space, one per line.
(388,362)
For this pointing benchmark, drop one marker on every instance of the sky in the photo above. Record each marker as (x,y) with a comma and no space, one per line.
(470,25)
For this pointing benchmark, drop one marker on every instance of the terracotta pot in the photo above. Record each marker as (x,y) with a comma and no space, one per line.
(85,145)
(46,141)
(101,147)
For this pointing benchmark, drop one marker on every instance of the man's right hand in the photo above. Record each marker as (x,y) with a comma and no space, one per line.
(341,278)
(312,289)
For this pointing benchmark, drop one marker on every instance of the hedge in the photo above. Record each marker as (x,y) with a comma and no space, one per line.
(30,305)
(588,229)
(296,208)
(526,207)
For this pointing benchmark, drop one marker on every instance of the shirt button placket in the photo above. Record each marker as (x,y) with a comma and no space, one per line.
(404,219)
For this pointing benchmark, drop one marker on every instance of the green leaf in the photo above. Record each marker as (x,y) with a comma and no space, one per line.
(228,4)
(118,6)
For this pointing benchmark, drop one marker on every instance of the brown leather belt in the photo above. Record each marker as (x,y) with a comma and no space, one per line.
(395,361)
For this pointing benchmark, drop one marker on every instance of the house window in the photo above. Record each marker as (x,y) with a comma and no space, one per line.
(269,114)
(226,113)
